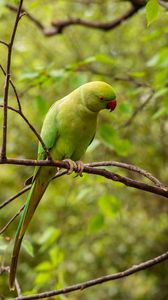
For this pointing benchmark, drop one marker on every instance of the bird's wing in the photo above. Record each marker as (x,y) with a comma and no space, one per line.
(49,132)
(49,135)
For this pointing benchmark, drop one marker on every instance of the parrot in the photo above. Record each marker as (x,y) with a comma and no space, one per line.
(68,129)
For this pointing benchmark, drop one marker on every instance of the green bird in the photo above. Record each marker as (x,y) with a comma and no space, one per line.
(68,129)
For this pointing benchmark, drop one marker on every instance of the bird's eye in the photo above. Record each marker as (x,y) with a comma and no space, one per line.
(101,98)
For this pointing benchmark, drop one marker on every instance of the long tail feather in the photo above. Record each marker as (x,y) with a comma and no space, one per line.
(37,190)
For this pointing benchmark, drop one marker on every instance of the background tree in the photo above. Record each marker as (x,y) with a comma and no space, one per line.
(88,227)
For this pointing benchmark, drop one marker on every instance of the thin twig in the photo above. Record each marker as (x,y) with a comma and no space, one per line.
(138,109)
(12,219)
(130,168)
(7,81)
(37,135)
(25,189)
(20,112)
(4,43)
(30,16)
(7,269)
(163,4)
(87,284)
(132,80)
(14,89)
(58,174)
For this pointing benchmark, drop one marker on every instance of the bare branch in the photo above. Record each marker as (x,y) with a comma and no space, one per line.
(87,284)
(20,112)
(91,170)
(163,4)
(7,269)
(130,168)
(58,26)
(95,164)
(139,109)
(14,89)
(15,196)
(25,189)
(31,17)
(4,43)
(58,174)
(12,219)
(7,81)
(132,80)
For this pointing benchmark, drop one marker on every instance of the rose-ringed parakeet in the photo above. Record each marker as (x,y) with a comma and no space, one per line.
(68,129)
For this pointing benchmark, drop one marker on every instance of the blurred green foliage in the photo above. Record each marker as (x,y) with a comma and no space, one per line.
(87,227)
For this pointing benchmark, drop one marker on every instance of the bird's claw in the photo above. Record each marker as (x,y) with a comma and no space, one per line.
(80,167)
(76,166)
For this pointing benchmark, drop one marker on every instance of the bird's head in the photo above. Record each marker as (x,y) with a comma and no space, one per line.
(98,95)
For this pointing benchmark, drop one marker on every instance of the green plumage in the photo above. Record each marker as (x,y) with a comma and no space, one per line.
(68,129)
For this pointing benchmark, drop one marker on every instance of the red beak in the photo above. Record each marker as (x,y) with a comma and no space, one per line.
(112,105)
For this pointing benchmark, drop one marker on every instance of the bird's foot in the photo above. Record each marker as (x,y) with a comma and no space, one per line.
(80,167)
(76,166)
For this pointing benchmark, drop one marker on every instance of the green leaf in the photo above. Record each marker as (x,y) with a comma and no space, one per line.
(49,236)
(44,266)
(126,108)
(28,76)
(160,59)
(2,8)
(152,10)
(162,111)
(103,58)
(109,205)
(28,247)
(3,248)
(111,138)
(56,256)
(57,73)
(88,60)
(137,74)
(96,223)
(161,92)
(42,278)
(42,104)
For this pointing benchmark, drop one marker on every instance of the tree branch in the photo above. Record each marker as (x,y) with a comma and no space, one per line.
(99,280)
(20,112)
(4,43)
(7,81)
(130,168)
(7,269)
(91,170)
(20,13)
(30,16)
(163,4)
(106,26)
(94,164)
(139,109)
(24,190)
(58,26)
(60,173)
(14,89)
(12,219)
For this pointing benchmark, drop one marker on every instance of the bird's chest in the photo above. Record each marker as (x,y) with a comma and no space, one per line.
(75,134)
